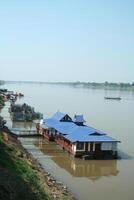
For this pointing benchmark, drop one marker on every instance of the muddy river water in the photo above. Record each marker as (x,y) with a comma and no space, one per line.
(90,179)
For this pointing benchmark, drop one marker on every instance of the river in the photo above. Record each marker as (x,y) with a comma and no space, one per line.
(87,180)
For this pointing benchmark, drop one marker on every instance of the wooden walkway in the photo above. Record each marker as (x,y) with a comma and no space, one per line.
(24,132)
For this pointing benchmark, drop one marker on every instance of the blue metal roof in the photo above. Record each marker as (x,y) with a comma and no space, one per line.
(65,127)
(62,127)
(70,127)
(86,130)
(59,115)
(74,133)
(89,138)
(50,122)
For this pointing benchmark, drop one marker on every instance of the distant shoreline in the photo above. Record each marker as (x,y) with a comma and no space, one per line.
(91,85)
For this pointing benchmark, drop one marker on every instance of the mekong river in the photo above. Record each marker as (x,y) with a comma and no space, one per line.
(92,179)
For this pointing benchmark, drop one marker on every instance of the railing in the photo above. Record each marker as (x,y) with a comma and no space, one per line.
(64,144)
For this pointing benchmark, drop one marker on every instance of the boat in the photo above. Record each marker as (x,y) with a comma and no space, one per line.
(23,112)
(21,95)
(113,98)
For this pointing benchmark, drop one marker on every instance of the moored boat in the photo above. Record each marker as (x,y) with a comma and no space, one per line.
(23,112)
(113,98)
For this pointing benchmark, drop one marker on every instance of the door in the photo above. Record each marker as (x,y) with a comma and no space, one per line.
(97,147)
(86,146)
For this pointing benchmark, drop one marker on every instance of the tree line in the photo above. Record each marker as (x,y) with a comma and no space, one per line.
(105,84)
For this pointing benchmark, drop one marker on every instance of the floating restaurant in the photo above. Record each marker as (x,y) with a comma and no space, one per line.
(77,138)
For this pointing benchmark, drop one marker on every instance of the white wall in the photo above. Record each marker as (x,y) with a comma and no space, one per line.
(74,148)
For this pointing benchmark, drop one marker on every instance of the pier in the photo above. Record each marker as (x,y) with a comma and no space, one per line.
(24,132)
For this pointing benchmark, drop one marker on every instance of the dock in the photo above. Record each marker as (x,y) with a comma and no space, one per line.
(24,132)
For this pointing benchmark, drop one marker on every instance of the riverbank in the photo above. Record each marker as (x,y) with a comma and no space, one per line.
(22,177)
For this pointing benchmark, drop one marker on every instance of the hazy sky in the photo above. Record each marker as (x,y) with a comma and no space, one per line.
(67,40)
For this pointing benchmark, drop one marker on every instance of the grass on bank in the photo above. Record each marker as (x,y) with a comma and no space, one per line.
(17,178)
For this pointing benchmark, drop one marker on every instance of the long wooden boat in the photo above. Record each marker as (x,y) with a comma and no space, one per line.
(113,98)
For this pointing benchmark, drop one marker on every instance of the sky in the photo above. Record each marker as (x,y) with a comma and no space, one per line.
(67,40)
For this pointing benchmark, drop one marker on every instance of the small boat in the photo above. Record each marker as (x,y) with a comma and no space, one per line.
(21,95)
(113,98)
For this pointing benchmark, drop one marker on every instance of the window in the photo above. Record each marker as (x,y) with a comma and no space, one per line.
(95,133)
(66,118)
(80,145)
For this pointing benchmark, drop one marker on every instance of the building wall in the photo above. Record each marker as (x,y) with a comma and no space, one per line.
(107,146)
(92,147)
(114,146)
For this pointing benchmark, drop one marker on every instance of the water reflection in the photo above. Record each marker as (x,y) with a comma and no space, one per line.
(93,169)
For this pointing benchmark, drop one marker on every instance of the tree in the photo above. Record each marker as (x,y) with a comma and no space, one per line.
(2,122)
